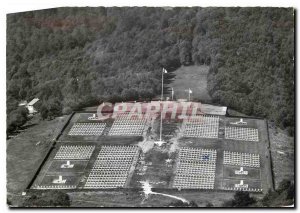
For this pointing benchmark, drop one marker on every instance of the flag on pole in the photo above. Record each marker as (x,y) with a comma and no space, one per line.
(190,91)
(164,70)
(172,91)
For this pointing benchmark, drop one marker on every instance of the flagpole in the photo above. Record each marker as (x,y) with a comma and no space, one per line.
(162,96)
(189,94)
(162,85)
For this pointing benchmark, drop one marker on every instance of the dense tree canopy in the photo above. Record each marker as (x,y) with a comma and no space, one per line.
(16,118)
(50,198)
(240,199)
(75,57)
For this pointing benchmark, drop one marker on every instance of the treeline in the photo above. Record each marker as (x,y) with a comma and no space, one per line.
(253,71)
(76,57)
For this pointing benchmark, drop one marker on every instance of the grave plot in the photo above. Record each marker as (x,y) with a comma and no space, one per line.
(58,182)
(74,152)
(67,166)
(241,122)
(241,172)
(193,154)
(241,159)
(128,125)
(201,127)
(195,169)
(111,168)
(239,133)
(245,175)
(87,129)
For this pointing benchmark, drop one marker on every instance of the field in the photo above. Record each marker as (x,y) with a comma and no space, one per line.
(160,165)
(283,155)
(229,172)
(134,198)
(25,153)
(193,77)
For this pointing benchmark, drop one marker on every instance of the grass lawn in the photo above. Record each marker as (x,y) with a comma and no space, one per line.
(26,151)
(130,198)
(283,155)
(193,77)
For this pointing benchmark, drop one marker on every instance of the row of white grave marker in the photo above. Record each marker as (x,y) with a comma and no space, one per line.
(241,159)
(203,168)
(244,134)
(193,182)
(201,127)
(87,129)
(191,154)
(195,169)
(128,125)
(75,152)
(111,168)
(55,187)
(242,189)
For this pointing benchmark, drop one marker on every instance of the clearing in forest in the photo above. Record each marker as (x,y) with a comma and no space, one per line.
(193,77)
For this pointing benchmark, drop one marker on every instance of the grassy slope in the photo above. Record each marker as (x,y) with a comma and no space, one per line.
(25,153)
(193,77)
(282,151)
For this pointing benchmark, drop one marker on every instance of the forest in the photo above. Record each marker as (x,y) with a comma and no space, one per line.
(76,57)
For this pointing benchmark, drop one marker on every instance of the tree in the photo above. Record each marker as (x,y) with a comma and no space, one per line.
(185,52)
(51,198)
(16,119)
(59,54)
(283,185)
(44,111)
(240,199)
(291,192)
(209,204)
(282,196)
(269,197)
(130,94)
(54,108)
(51,108)
(145,94)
